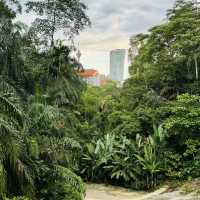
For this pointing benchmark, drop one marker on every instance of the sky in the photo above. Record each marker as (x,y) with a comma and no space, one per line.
(113,23)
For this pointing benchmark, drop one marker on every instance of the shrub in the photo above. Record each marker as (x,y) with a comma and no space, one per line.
(59,183)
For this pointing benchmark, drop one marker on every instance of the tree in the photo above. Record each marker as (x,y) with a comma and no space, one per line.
(169,56)
(183,120)
(62,83)
(58,15)
(11,51)
(5,11)
(14,173)
(9,8)
(44,85)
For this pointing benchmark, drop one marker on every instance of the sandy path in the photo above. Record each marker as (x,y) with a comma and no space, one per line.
(103,192)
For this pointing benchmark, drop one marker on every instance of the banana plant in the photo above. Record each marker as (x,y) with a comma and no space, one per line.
(97,155)
(150,156)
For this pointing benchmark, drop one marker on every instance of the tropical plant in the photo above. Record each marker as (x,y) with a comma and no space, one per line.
(14,173)
(59,183)
(150,163)
(122,165)
(38,92)
(96,156)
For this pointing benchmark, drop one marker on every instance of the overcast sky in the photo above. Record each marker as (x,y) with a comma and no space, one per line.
(113,22)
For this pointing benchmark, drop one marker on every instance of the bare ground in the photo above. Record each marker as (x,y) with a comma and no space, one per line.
(103,192)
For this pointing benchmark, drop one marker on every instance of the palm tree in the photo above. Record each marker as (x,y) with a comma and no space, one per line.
(13,172)
(64,85)
(11,44)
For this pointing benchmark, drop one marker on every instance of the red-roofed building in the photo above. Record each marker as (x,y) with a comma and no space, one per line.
(91,76)
(88,73)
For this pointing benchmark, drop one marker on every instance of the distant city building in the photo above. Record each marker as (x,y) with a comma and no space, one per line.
(90,76)
(117,65)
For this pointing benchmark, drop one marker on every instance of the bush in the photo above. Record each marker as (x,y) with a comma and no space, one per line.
(60,183)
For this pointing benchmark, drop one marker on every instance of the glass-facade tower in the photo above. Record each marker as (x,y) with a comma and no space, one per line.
(117,64)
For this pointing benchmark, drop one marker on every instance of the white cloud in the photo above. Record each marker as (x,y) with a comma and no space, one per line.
(113,22)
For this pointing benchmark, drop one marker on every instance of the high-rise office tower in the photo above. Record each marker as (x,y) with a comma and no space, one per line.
(117,65)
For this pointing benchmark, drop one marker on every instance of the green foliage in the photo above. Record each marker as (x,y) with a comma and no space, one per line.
(168,57)
(150,162)
(163,90)
(39,90)
(123,123)
(96,156)
(60,183)
(14,172)
(52,127)
(184,115)
(54,16)
(125,162)
(182,138)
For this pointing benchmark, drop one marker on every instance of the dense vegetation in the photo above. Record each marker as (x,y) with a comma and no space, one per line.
(39,90)
(147,132)
(54,129)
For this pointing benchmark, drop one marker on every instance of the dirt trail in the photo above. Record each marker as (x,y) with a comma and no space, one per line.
(103,192)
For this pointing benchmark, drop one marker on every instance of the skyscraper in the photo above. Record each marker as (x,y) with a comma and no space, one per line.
(117,65)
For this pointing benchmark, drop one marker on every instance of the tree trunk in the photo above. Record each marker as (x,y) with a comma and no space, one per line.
(53,26)
(196,68)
